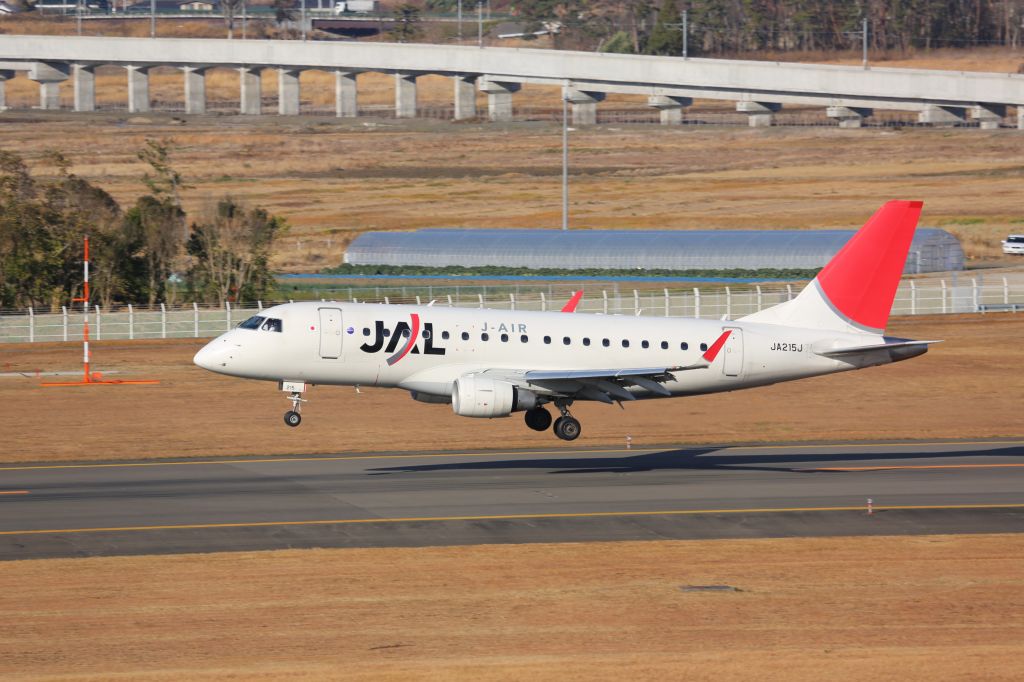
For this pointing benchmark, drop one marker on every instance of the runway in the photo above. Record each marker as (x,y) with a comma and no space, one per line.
(551,495)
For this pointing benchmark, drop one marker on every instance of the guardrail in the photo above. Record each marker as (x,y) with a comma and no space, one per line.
(928,297)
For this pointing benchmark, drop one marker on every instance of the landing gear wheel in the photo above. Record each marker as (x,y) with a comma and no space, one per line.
(292,418)
(567,428)
(538,419)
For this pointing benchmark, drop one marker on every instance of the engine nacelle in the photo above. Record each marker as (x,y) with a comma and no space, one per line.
(475,395)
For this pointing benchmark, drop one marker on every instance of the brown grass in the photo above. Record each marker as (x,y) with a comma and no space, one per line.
(963,388)
(335,179)
(914,608)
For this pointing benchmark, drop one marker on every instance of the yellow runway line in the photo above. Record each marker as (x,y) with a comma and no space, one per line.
(505,517)
(14,492)
(563,453)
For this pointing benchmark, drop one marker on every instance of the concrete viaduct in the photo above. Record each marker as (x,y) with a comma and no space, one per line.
(759,89)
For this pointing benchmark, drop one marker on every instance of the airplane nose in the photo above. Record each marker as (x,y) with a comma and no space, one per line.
(215,355)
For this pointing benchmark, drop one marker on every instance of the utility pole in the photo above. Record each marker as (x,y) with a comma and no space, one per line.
(302,19)
(152,18)
(864,34)
(684,27)
(243,20)
(565,157)
(479,23)
(78,12)
(460,21)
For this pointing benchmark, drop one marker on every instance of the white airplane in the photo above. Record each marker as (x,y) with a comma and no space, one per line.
(491,363)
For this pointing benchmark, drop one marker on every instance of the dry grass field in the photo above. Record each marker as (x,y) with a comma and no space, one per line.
(912,608)
(332,179)
(966,387)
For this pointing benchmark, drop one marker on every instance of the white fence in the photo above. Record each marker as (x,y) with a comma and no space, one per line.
(914,297)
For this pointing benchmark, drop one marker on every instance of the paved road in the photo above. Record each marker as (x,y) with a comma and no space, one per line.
(395,499)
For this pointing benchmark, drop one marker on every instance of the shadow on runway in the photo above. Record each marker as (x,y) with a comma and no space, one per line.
(804,462)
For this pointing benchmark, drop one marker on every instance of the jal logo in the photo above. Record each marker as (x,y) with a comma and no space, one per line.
(405,333)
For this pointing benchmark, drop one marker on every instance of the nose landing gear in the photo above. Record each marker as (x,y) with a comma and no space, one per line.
(293,417)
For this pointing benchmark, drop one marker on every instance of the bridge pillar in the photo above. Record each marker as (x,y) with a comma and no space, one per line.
(138,89)
(942,116)
(988,116)
(49,76)
(670,108)
(288,92)
(499,98)
(346,103)
(849,117)
(251,93)
(4,77)
(405,95)
(759,114)
(84,80)
(584,105)
(195,89)
(465,97)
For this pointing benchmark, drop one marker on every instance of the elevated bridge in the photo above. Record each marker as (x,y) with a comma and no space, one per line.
(759,89)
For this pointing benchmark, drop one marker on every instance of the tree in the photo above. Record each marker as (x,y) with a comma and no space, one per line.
(231,8)
(406,25)
(231,253)
(284,11)
(666,37)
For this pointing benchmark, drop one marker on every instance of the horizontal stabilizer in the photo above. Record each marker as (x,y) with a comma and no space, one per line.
(860,350)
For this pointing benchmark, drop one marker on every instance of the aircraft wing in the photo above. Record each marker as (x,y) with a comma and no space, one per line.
(602,385)
(607,385)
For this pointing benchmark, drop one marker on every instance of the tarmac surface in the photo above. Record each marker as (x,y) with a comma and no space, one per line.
(555,495)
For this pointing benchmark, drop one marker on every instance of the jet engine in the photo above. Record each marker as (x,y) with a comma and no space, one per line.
(475,395)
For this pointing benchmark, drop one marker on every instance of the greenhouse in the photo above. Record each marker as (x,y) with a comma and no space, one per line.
(932,250)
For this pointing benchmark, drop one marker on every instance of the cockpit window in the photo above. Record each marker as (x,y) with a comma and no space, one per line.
(272,325)
(252,323)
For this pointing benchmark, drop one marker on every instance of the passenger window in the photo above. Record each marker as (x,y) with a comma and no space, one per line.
(625,343)
(605,342)
(387,332)
(684,346)
(703,346)
(645,344)
(252,323)
(547,339)
(465,336)
(426,333)
(586,341)
(485,336)
(524,338)
(366,331)
(664,345)
(445,335)
(405,333)
(504,338)
(566,340)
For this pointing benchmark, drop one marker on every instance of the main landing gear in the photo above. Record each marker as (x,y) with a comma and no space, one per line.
(566,427)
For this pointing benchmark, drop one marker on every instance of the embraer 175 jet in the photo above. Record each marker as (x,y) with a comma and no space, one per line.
(491,363)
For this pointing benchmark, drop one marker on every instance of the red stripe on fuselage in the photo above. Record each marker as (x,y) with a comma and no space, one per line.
(412,340)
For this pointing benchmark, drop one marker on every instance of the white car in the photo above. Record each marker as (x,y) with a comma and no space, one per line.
(1014,244)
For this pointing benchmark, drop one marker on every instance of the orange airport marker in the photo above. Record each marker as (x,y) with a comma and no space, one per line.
(89,378)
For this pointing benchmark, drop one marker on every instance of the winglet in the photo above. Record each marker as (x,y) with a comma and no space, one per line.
(712,352)
(570,307)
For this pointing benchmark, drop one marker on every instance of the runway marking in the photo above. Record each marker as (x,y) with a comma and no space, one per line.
(14,492)
(505,517)
(889,467)
(412,455)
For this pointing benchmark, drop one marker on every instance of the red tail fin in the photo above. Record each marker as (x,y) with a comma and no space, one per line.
(860,281)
